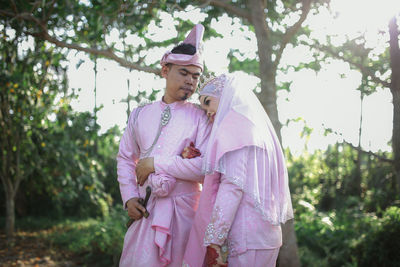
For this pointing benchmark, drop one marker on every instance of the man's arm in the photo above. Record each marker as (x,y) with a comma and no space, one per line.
(126,164)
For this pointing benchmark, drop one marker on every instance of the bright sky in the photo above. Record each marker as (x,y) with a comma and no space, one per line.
(321,99)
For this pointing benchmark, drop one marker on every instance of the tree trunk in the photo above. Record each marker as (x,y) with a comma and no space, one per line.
(267,95)
(288,256)
(355,184)
(395,89)
(10,214)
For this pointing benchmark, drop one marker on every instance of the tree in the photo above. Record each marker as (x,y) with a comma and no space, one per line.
(273,33)
(30,80)
(395,90)
(375,70)
(85,26)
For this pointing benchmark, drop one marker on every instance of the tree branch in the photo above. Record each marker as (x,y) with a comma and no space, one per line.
(229,8)
(52,4)
(363,69)
(14,6)
(107,53)
(104,53)
(381,158)
(291,31)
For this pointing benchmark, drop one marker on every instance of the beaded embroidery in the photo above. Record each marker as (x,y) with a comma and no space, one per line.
(212,85)
(216,235)
(165,117)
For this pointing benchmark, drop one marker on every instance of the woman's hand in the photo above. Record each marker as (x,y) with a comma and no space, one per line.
(214,258)
(190,152)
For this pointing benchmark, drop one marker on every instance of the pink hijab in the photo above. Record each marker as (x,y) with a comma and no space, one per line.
(241,123)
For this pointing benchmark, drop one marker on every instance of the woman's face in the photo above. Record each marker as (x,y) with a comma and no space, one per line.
(210,106)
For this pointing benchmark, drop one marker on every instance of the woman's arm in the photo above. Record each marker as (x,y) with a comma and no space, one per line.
(186,168)
(228,199)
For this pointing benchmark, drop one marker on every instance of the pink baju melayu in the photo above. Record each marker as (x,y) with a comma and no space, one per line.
(245,193)
(160,239)
(162,131)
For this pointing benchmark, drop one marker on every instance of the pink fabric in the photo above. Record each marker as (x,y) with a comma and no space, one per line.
(195,250)
(241,113)
(147,243)
(194,38)
(161,184)
(244,167)
(160,239)
(162,221)
(255,258)
(237,226)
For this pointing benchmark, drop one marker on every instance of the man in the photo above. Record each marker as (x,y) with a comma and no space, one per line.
(154,138)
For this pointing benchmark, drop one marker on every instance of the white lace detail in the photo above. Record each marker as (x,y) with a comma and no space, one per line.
(217,230)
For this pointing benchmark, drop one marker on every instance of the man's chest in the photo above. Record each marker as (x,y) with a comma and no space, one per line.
(156,135)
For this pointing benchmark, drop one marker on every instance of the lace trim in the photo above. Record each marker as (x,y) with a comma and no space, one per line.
(217,230)
(282,217)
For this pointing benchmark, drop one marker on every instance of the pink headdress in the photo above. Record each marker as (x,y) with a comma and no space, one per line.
(212,86)
(194,38)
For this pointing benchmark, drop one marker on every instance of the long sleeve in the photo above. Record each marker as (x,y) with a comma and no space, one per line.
(228,198)
(161,184)
(126,161)
(186,169)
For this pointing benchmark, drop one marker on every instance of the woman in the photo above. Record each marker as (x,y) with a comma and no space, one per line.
(245,193)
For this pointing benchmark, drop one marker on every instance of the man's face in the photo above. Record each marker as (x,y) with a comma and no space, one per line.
(181,81)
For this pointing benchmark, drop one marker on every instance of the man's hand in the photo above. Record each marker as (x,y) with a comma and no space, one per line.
(135,210)
(214,258)
(143,169)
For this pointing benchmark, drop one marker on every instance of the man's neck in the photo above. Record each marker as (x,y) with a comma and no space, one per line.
(168,101)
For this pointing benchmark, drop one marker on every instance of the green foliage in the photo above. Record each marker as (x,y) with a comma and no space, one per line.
(381,246)
(55,158)
(250,66)
(348,237)
(334,228)
(79,173)
(31,80)
(99,241)
(68,168)
(381,187)
(91,23)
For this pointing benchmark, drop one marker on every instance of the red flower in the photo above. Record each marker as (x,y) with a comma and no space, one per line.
(190,152)
(211,256)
